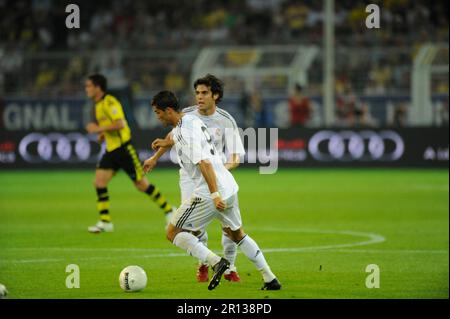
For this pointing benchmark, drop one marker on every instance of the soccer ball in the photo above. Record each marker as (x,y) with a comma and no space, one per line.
(133,278)
(3,291)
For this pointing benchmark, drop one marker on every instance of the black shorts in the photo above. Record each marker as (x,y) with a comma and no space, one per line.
(124,157)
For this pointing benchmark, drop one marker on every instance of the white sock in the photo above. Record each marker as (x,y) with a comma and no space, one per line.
(229,251)
(250,249)
(203,238)
(195,248)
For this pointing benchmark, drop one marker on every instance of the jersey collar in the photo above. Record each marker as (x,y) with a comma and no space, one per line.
(200,114)
(101,99)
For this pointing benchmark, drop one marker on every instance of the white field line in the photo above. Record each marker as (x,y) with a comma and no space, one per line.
(370,239)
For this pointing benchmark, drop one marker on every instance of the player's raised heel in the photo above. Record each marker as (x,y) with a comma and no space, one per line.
(202,273)
(101,227)
(273,285)
(219,269)
(232,276)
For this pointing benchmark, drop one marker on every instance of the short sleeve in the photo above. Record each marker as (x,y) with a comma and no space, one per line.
(191,142)
(114,109)
(233,141)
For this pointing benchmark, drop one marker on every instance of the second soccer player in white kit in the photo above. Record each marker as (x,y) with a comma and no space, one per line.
(214,195)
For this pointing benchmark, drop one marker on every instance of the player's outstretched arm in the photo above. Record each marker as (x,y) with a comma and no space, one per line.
(210,177)
(150,163)
(160,148)
(163,143)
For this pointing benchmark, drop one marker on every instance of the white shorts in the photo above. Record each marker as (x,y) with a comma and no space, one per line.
(196,213)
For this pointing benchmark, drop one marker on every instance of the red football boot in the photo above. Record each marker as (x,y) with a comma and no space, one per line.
(232,276)
(202,273)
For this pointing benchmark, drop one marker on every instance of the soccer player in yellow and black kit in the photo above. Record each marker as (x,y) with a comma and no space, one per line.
(112,127)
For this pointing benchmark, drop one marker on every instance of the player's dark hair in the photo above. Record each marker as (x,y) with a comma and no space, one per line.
(213,83)
(165,99)
(99,80)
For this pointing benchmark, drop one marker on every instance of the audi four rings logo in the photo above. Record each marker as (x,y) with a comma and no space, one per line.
(57,147)
(356,146)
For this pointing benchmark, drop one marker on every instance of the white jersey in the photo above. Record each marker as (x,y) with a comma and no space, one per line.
(193,144)
(223,130)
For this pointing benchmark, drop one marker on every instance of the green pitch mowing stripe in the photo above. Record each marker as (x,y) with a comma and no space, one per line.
(319,230)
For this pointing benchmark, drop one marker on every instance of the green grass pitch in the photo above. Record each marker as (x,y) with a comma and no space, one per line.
(319,230)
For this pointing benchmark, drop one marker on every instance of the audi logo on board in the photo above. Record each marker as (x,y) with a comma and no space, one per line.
(356,146)
(57,148)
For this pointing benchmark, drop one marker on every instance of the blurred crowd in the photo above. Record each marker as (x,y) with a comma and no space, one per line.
(152,44)
(36,25)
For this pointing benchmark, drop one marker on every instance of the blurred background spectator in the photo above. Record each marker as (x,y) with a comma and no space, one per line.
(145,46)
(299,107)
(400,115)
(246,109)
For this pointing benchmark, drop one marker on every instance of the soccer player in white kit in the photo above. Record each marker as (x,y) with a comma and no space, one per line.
(214,195)
(225,135)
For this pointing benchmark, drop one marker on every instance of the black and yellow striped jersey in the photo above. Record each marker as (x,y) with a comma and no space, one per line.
(108,110)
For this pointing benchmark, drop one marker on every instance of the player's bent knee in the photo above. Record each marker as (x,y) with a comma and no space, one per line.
(234,235)
(237,235)
(171,232)
(169,236)
(227,232)
(100,183)
(197,233)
